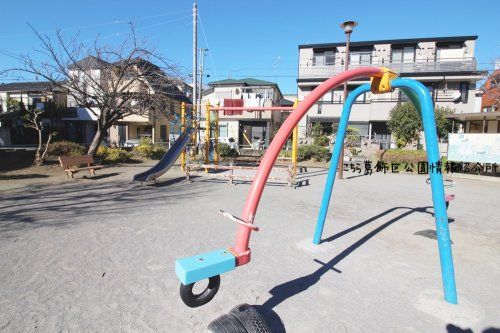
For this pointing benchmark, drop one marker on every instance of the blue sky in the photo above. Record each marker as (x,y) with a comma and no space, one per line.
(247,38)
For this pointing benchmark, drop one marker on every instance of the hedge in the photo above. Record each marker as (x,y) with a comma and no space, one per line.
(113,155)
(65,148)
(402,156)
(308,152)
(147,149)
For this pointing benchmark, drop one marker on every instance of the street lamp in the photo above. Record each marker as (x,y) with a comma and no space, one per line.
(347,26)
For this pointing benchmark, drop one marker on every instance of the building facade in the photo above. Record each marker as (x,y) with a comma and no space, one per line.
(246,128)
(446,65)
(155,124)
(19,97)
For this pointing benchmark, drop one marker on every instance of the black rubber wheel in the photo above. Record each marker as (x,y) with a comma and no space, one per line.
(226,324)
(192,300)
(250,319)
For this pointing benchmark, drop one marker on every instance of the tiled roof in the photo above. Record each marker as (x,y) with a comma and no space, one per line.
(89,62)
(247,81)
(28,86)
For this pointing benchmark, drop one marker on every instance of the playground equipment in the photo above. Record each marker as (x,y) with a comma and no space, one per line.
(210,265)
(178,148)
(212,151)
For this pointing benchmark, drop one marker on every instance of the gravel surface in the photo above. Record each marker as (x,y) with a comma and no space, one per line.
(97,255)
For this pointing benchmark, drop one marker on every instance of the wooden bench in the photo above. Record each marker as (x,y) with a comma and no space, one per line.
(74,164)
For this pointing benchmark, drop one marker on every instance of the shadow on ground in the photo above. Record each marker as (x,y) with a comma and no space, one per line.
(27,176)
(450,328)
(80,200)
(291,288)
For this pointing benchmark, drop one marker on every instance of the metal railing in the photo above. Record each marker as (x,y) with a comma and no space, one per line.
(308,70)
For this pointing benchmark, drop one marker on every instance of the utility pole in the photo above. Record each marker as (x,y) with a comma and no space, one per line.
(202,62)
(195,60)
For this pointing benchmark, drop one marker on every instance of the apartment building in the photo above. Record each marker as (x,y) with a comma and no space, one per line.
(446,65)
(245,127)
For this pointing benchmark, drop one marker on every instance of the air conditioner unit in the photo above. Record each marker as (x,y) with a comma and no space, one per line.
(456,95)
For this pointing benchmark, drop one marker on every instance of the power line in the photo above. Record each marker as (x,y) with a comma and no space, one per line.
(102,23)
(208,47)
(119,33)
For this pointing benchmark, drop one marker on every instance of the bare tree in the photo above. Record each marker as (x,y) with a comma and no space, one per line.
(111,82)
(33,119)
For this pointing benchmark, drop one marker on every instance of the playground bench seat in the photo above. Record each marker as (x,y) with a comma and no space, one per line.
(74,164)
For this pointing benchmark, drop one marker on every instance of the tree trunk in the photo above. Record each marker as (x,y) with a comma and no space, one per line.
(38,157)
(44,155)
(99,135)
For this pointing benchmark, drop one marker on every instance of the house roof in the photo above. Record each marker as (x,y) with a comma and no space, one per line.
(28,86)
(286,102)
(242,82)
(245,82)
(450,39)
(89,62)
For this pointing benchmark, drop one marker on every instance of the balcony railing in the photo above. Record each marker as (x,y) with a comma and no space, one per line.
(308,70)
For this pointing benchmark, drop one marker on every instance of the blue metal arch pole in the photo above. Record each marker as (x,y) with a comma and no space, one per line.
(334,161)
(420,96)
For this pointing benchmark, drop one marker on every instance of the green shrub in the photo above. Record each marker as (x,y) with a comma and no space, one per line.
(317,130)
(286,153)
(355,151)
(308,152)
(353,136)
(65,148)
(113,155)
(322,141)
(147,149)
(226,151)
(403,156)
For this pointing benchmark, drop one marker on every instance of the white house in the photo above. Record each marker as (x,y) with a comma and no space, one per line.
(245,127)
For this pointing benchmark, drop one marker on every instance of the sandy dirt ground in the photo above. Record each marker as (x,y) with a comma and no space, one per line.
(97,254)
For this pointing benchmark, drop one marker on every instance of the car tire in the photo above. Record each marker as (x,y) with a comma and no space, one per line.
(192,300)
(250,318)
(226,324)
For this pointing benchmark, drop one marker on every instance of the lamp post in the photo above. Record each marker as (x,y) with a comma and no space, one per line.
(347,26)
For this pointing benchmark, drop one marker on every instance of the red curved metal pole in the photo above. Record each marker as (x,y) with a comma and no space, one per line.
(241,250)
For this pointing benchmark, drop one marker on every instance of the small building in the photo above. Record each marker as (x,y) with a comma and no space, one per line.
(245,127)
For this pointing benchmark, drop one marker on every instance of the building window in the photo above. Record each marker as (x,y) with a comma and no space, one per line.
(449,51)
(319,107)
(464,92)
(163,133)
(361,57)
(404,54)
(324,58)
(223,132)
(476,126)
